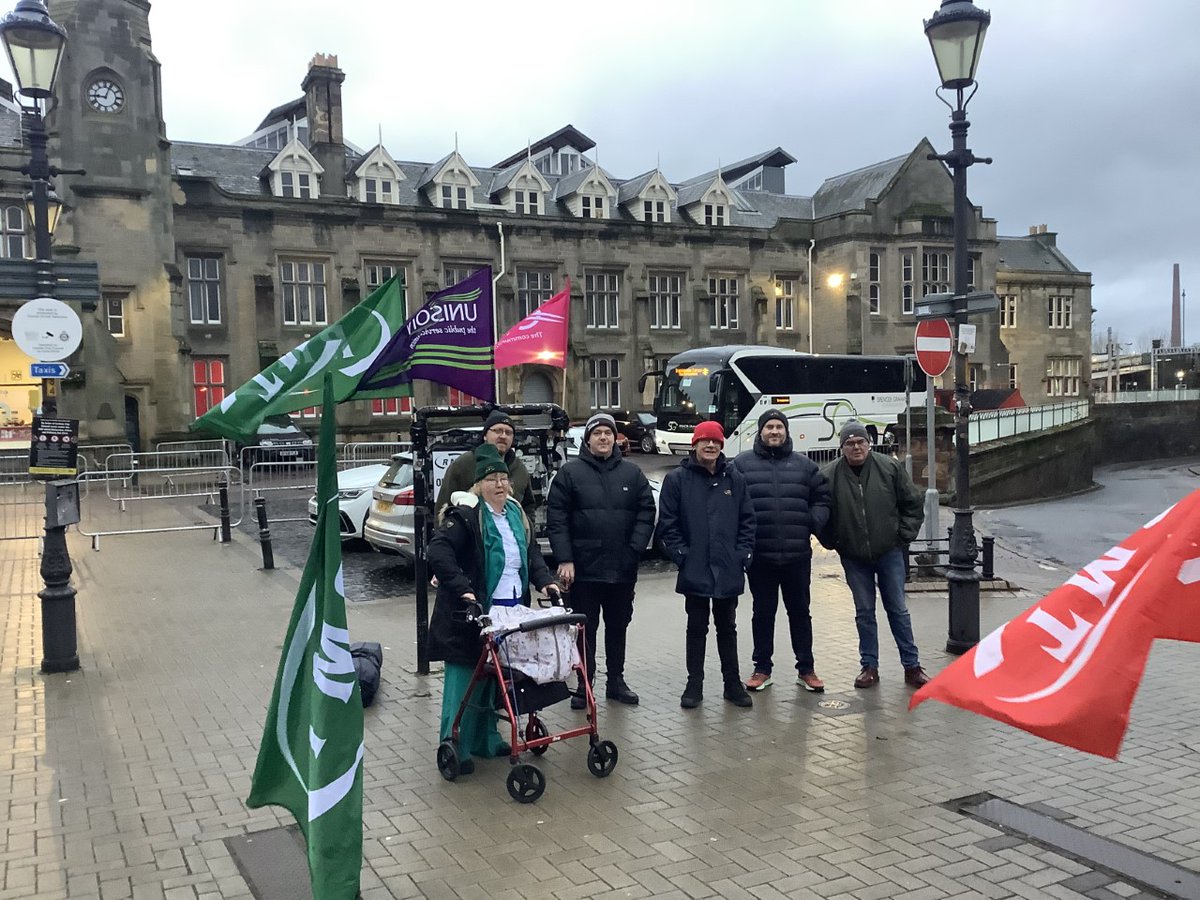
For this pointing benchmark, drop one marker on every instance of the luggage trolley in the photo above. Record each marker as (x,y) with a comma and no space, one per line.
(519,694)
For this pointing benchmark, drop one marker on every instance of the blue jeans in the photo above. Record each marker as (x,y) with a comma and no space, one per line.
(861,576)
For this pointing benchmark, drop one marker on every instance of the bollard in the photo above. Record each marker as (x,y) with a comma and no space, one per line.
(223,493)
(989,559)
(264,532)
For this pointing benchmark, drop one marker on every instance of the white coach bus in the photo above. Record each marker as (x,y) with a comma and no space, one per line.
(734,385)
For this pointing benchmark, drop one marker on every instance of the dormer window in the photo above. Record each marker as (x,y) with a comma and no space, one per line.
(294,173)
(714,214)
(378,190)
(295,184)
(454,197)
(654,211)
(568,162)
(527,202)
(592,207)
(378,179)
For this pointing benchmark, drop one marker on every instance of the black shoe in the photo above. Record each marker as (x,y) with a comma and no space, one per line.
(692,694)
(618,690)
(578,701)
(735,693)
(466,766)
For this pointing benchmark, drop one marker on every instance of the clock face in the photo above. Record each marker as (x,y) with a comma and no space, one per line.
(105,95)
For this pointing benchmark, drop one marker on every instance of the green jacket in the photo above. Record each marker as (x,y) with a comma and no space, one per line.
(461,475)
(874,511)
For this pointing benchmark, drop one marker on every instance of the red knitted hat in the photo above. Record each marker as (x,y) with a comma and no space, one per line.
(708,431)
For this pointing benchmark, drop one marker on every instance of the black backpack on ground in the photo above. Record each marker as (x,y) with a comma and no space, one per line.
(368,660)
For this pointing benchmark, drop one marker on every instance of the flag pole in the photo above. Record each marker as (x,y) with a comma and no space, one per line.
(495,324)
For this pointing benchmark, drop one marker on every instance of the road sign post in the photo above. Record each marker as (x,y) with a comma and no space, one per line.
(934,345)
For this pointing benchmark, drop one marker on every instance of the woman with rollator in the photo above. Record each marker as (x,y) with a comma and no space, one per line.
(484,553)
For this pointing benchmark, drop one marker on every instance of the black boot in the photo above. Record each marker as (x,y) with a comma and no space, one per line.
(579,698)
(692,694)
(735,693)
(618,690)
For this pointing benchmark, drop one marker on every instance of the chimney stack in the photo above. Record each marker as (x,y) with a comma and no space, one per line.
(1176,310)
(323,104)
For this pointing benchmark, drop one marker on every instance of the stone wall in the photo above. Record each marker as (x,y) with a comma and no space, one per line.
(1128,432)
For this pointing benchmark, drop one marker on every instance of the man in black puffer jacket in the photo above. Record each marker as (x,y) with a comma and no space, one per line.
(600,517)
(790,497)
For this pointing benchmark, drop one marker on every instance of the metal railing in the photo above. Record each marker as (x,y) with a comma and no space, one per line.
(373,451)
(1166,396)
(994,424)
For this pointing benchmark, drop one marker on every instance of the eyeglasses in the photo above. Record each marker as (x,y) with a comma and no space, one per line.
(857,442)
(501,431)
(496,479)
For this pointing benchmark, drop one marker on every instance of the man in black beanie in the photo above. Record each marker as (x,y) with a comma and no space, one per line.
(600,517)
(790,498)
(498,430)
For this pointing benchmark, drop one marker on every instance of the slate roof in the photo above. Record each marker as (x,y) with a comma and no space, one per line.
(634,186)
(1029,254)
(10,128)
(777,157)
(851,191)
(504,177)
(285,112)
(234,169)
(569,184)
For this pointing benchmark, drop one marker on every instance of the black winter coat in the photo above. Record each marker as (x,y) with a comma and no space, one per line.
(790,497)
(600,516)
(455,555)
(706,527)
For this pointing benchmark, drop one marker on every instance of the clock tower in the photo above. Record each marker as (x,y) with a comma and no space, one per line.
(108,121)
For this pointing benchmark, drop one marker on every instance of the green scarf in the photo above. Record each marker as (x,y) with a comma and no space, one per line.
(493,547)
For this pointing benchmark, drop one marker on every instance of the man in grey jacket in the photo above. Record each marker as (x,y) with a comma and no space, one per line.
(877,511)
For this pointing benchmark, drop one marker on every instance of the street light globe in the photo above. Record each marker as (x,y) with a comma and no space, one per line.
(34,43)
(835,280)
(1180,374)
(956,33)
(54,207)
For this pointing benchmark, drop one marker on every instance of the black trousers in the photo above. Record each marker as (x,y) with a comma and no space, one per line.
(615,601)
(767,582)
(724,617)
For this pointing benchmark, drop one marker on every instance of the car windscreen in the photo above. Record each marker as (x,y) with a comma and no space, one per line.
(398,475)
(278,425)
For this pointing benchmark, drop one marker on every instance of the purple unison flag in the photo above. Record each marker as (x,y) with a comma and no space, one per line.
(448,340)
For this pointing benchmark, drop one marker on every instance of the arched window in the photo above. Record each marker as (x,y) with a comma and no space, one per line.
(12,229)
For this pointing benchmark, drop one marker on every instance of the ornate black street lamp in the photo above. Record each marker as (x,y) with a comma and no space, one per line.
(956,33)
(34,43)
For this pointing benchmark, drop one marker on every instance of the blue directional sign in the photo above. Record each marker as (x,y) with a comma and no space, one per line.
(49,370)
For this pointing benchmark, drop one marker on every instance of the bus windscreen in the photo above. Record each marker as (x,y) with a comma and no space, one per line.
(685,391)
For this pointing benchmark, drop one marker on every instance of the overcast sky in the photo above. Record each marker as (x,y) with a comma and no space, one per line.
(1082,104)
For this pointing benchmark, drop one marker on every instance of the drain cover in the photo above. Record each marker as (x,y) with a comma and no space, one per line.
(1102,854)
(273,862)
(833,704)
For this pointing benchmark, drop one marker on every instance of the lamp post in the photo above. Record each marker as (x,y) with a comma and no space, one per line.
(34,43)
(956,33)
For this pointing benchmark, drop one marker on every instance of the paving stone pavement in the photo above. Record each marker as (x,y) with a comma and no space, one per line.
(122,780)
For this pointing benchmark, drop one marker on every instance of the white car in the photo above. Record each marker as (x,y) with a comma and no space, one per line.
(354,499)
(390,522)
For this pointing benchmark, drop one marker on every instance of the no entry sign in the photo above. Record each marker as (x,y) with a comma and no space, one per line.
(934,345)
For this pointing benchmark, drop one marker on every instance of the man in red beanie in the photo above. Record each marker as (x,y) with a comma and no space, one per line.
(706,526)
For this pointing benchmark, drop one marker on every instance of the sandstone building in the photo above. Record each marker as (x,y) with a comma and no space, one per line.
(217,258)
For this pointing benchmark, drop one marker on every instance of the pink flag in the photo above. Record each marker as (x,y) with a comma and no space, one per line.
(1068,668)
(541,337)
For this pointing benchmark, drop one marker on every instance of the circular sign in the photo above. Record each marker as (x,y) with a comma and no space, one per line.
(46,329)
(934,345)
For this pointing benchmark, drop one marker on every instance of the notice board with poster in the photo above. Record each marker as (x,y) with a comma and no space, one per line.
(54,447)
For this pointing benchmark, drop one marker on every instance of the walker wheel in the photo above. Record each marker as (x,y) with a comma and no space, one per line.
(447,760)
(526,783)
(602,758)
(534,730)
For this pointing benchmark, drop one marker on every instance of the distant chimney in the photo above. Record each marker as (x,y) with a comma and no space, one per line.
(1041,229)
(1033,229)
(1176,310)
(323,104)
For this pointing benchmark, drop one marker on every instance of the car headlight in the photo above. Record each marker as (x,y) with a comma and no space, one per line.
(350,495)
(266,442)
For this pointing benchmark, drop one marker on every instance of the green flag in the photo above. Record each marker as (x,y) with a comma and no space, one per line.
(310,760)
(345,350)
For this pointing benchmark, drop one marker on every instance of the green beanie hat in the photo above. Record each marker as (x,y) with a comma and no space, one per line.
(487,461)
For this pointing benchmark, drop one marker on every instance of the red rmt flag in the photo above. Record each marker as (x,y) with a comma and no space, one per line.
(1067,669)
(540,337)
